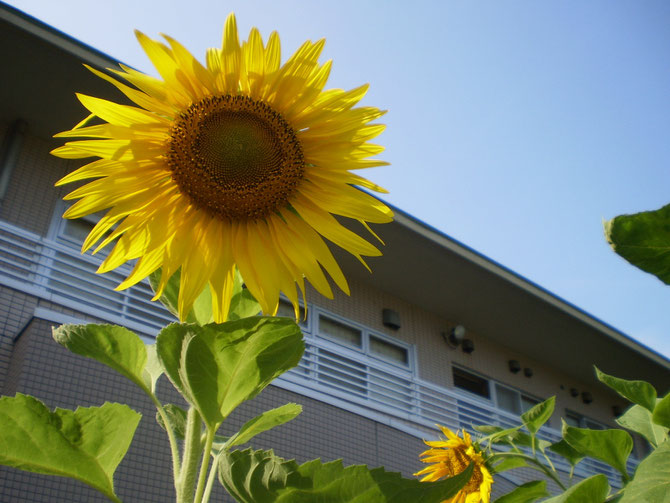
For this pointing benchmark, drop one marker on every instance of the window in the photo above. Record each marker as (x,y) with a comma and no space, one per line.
(513,401)
(68,274)
(579,421)
(340,332)
(387,350)
(286,310)
(471,382)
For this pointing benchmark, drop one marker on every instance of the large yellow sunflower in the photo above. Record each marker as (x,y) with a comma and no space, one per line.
(241,162)
(450,457)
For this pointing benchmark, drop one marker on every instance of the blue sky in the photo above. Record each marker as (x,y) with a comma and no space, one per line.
(513,126)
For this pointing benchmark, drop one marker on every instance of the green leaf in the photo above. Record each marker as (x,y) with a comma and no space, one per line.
(218,366)
(201,313)
(526,493)
(639,420)
(611,446)
(652,479)
(592,490)
(562,448)
(639,392)
(86,444)
(117,347)
(508,464)
(176,416)
(661,413)
(536,416)
(266,421)
(243,304)
(643,239)
(261,477)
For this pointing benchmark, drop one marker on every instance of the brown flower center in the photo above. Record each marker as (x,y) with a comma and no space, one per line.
(235,157)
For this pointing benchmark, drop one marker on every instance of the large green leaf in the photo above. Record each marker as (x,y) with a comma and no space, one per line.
(638,419)
(218,366)
(86,444)
(661,413)
(651,483)
(639,392)
(262,477)
(264,422)
(117,347)
(611,446)
(536,416)
(643,239)
(592,490)
(526,493)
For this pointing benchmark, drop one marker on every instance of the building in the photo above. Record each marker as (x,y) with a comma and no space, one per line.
(380,368)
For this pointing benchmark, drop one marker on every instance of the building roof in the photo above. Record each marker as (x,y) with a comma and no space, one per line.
(420,264)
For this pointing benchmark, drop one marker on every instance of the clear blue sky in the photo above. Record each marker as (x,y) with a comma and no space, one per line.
(513,126)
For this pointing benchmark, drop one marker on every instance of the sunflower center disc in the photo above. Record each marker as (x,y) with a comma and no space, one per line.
(235,157)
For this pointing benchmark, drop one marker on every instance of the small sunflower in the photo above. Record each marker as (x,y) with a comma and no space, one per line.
(450,457)
(238,163)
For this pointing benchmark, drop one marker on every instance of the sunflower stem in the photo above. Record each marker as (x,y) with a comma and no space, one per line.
(192,450)
(210,480)
(174,447)
(538,465)
(204,465)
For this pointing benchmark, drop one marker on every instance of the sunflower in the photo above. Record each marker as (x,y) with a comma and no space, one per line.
(450,457)
(238,163)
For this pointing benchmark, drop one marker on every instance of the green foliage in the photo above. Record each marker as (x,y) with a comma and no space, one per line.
(86,444)
(536,416)
(611,446)
(218,366)
(652,479)
(201,312)
(117,347)
(262,477)
(153,368)
(507,464)
(242,304)
(176,417)
(526,493)
(639,420)
(643,239)
(265,421)
(661,415)
(638,392)
(564,449)
(592,490)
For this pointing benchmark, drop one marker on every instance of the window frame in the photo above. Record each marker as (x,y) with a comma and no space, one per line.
(363,351)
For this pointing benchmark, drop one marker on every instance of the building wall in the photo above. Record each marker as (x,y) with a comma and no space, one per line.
(435,358)
(35,364)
